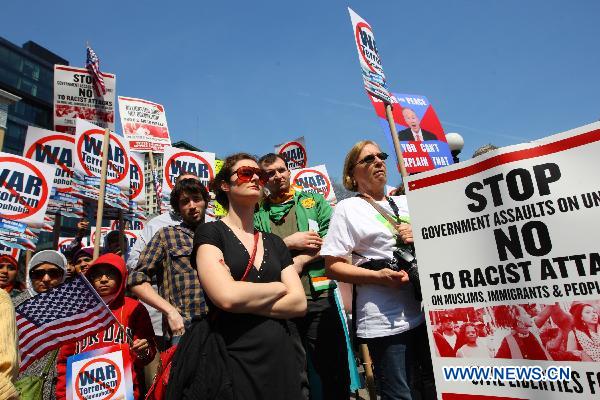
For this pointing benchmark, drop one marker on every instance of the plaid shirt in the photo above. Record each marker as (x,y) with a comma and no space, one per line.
(167,257)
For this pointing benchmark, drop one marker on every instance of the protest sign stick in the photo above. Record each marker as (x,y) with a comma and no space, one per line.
(368,366)
(154,183)
(390,118)
(101,192)
(56,230)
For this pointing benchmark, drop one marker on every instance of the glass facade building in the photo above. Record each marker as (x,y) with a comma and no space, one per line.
(27,72)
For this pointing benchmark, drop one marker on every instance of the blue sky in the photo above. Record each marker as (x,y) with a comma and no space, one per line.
(246,75)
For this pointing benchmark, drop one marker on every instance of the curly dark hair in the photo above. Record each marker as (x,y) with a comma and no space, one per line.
(224,175)
(190,186)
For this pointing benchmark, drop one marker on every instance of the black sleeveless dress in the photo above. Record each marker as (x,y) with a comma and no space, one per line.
(260,349)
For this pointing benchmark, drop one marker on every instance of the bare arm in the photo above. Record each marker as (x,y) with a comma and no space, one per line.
(146,293)
(293,304)
(301,260)
(338,268)
(227,293)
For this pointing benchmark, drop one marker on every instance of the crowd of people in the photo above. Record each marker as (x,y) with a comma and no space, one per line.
(248,306)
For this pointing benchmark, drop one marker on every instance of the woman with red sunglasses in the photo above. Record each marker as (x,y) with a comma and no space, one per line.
(251,287)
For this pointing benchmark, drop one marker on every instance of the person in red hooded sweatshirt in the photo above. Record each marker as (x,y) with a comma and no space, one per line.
(108,275)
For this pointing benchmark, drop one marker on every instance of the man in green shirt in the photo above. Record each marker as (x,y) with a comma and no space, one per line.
(301,219)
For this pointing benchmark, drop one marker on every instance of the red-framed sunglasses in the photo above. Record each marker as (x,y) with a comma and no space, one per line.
(245,174)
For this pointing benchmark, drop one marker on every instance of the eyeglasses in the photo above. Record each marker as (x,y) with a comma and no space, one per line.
(245,174)
(97,276)
(371,158)
(53,273)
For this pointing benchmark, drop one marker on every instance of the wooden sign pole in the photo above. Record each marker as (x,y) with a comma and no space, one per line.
(101,193)
(390,118)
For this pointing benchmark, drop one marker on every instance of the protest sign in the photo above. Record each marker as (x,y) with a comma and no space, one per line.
(414,116)
(294,153)
(313,180)
(75,98)
(55,149)
(176,161)
(64,242)
(104,374)
(11,251)
(130,225)
(137,184)
(131,236)
(25,187)
(370,61)
(89,139)
(508,250)
(144,124)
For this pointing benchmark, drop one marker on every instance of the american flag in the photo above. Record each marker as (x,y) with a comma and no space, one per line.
(61,315)
(93,65)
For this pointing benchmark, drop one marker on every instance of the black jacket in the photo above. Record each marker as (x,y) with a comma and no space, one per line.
(199,370)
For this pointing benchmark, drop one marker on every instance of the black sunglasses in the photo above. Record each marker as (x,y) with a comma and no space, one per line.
(53,273)
(371,158)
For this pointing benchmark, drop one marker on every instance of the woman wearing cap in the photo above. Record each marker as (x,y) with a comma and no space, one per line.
(9,271)
(46,270)
(388,317)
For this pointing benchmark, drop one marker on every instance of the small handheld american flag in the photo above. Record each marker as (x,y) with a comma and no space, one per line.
(92,63)
(64,314)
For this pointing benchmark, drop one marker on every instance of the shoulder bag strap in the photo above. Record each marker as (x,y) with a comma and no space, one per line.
(49,364)
(381,210)
(252,257)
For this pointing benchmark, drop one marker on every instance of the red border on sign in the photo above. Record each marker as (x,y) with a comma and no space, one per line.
(67,138)
(83,71)
(357,34)
(303,165)
(98,360)
(500,159)
(44,195)
(142,180)
(185,154)
(90,132)
(326,195)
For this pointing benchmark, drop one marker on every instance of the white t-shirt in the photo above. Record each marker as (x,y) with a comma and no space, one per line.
(357,227)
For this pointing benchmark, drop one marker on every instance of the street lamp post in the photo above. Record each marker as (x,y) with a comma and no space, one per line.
(456,144)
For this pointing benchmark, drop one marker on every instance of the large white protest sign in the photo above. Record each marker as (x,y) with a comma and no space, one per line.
(88,165)
(25,187)
(176,161)
(294,153)
(314,180)
(368,55)
(104,373)
(144,124)
(55,149)
(75,98)
(507,248)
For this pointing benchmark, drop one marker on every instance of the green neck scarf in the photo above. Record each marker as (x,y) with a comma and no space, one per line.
(278,211)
